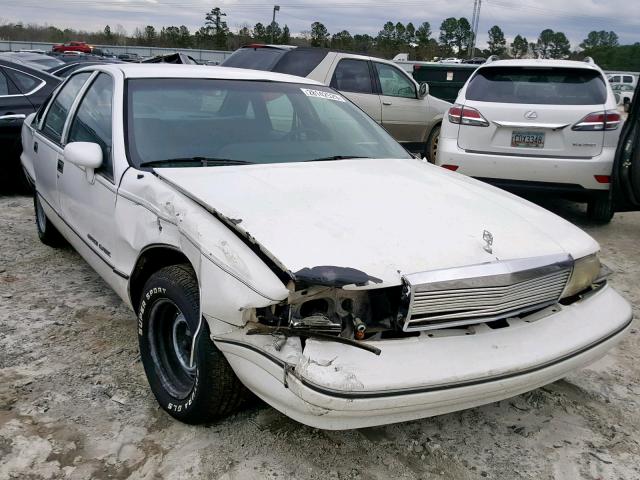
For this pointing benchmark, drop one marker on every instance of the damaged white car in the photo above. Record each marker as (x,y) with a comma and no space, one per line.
(271,236)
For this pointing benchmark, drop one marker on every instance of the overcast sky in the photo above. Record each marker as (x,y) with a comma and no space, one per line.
(526,17)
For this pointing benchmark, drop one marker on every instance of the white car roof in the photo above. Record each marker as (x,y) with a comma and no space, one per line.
(534,62)
(164,70)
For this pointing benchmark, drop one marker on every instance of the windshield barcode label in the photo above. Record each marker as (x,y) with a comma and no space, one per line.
(319,93)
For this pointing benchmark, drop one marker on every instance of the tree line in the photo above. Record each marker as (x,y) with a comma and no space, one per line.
(453,38)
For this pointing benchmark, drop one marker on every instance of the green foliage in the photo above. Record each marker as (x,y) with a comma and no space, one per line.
(423,34)
(519,46)
(455,36)
(319,35)
(600,39)
(552,45)
(342,41)
(497,43)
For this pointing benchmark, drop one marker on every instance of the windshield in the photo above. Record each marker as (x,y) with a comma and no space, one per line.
(538,85)
(209,121)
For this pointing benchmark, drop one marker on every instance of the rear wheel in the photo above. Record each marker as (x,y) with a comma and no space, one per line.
(600,208)
(197,391)
(432,144)
(48,234)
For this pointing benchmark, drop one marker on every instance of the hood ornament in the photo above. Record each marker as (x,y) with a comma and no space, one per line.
(487,236)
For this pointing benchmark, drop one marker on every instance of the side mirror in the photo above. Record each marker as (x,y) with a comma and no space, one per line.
(423,90)
(87,155)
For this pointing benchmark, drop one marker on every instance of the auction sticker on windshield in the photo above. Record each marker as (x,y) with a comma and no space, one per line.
(319,93)
(527,139)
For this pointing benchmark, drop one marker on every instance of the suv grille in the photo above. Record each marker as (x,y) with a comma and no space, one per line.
(462,299)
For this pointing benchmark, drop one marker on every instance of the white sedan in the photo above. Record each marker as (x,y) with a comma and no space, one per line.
(271,236)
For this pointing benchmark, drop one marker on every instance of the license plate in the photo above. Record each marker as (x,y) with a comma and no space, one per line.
(527,139)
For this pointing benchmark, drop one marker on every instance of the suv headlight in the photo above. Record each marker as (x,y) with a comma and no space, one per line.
(585,271)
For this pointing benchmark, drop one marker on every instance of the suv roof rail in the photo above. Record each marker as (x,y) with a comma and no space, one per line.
(589,60)
(492,58)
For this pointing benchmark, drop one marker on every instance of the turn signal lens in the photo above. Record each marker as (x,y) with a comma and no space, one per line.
(467,116)
(585,272)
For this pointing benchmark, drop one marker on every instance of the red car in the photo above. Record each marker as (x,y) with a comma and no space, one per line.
(72,47)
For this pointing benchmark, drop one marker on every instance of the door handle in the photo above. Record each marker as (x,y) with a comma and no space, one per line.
(60,166)
(13,116)
(386,103)
(35,147)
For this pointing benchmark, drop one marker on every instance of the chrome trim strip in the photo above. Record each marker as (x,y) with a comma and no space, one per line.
(482,276)
(548,126)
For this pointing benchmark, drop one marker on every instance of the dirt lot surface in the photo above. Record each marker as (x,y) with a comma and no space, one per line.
(74,402)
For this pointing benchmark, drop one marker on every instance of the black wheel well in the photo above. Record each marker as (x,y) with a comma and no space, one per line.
(152,259)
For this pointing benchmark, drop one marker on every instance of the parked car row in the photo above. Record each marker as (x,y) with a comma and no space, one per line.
(22,90)
(379,87)
(272,236)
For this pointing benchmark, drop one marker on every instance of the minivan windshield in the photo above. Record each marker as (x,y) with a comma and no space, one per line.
(538,85)
(211,122)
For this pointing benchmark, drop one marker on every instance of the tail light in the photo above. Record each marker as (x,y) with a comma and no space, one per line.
(603,178)
(467,116)
(598,121)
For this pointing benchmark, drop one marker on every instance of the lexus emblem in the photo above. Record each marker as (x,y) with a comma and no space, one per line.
(487,236)
(530,115)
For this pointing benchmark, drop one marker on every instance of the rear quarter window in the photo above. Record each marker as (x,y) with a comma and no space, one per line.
(544,86)
(260,58)
(300,62)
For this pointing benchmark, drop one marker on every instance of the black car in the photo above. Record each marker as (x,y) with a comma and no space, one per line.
(65,70)
(22,90)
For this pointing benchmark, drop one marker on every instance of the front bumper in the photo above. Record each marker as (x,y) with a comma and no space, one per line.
(579,172)
(333,386)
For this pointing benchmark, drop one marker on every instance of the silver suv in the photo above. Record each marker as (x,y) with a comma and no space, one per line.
(379,87)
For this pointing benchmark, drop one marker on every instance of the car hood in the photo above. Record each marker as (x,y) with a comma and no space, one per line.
(384,217)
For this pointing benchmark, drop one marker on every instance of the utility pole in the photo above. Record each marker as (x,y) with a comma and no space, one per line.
(473,21)
(276,8)
(475,27)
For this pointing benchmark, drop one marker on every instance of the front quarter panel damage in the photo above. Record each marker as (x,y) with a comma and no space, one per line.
(231,276)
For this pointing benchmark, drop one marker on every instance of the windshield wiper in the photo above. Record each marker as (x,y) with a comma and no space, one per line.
(334,157)
(194,162)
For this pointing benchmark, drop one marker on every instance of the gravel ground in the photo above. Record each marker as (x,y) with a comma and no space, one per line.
(74,402)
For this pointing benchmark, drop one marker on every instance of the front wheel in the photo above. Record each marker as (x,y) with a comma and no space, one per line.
(432,144)
(47,233)
(190,378)
(600,208)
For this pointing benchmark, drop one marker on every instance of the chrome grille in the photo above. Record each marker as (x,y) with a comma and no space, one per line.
(483,293)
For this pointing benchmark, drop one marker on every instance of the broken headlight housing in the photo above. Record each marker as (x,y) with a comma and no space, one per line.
(586,271)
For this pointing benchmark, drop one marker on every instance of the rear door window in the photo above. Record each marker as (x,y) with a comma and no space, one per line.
(352,76)
(57,114)
(543,86)
(627,79)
